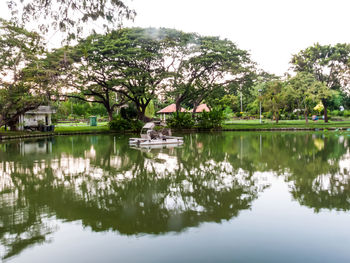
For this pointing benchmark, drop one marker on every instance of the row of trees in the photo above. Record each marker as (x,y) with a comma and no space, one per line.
(140,65)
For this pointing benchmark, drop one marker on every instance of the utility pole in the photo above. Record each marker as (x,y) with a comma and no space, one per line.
(241,102)
(260,104)
(241,97)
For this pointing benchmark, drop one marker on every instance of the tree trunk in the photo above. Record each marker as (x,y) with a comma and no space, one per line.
(195,105)
(324,102)
(305,115)
(13,125)
(178,105)
(277,117)
(110,115)
(141,110)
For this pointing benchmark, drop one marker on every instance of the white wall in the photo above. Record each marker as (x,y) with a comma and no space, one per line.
(32,120)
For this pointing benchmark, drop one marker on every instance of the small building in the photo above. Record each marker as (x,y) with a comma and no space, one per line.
(201,108)
(34,118)
(169,110)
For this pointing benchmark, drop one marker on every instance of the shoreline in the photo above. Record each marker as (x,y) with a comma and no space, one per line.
(6,137)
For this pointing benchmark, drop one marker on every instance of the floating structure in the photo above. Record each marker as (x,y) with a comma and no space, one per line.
(151,137)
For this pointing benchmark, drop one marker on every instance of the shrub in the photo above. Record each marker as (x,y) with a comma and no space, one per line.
(136,125)
(292,116)
(120,124)
(335,113)
(212,119)
(239,114)
(269,115)
(228,114)
(181,120)
(129,112)
(347,113)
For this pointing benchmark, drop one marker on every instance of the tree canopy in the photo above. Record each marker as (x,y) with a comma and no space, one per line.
(18,49)
(329,65)
(70,16)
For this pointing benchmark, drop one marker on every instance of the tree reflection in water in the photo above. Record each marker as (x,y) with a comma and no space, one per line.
(108,186)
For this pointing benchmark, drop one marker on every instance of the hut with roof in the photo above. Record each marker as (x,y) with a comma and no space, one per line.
(169,110)
(36,117)
(201,108)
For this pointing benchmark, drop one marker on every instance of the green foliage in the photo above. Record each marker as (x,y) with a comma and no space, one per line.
(228,113)
(347,113)
(129,112)
(328,64)
(18,91)
(292,116)
(228,100)
(336,113)
(130,64)
(269,115)
(211,119)
(182,120)
(97,109)
(120,124)
(150,110)
(274,98)
(304,91)
(214,68)
(79,108)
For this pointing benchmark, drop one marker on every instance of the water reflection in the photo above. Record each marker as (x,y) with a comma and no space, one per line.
(102,182)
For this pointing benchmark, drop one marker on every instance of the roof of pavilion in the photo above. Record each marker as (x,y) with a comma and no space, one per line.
(201,108)
(170,109)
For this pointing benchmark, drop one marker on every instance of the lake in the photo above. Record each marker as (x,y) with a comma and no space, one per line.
(221,197)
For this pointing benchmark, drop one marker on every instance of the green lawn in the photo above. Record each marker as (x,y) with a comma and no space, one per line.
(268,124)
(60,129)
(98,128)
(79,124)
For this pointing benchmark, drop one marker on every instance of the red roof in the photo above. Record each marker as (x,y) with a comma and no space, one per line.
(170,109)
(201,108)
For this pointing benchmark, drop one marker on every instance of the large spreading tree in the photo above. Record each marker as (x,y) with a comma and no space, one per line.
(306,92)
(18,94)
(329,65)
(210,64)
(131,64)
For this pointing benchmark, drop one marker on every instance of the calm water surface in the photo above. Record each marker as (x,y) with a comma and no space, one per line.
(222,197)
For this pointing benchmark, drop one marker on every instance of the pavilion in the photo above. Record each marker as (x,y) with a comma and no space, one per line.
(169,110)
(201,108)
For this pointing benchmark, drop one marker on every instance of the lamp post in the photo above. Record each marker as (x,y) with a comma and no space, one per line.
(260,90)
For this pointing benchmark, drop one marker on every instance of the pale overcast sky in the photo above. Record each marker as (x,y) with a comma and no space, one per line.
(271,30)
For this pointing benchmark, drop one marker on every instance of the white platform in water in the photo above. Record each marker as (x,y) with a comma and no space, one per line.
(144,142)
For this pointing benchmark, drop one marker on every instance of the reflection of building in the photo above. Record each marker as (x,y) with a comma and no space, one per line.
(37,147)
(41,115)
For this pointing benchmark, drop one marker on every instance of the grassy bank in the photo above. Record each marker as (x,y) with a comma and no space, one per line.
(102,128)
(290,124)
(60,130)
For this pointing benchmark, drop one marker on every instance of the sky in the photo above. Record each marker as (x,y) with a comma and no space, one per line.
(271,30)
